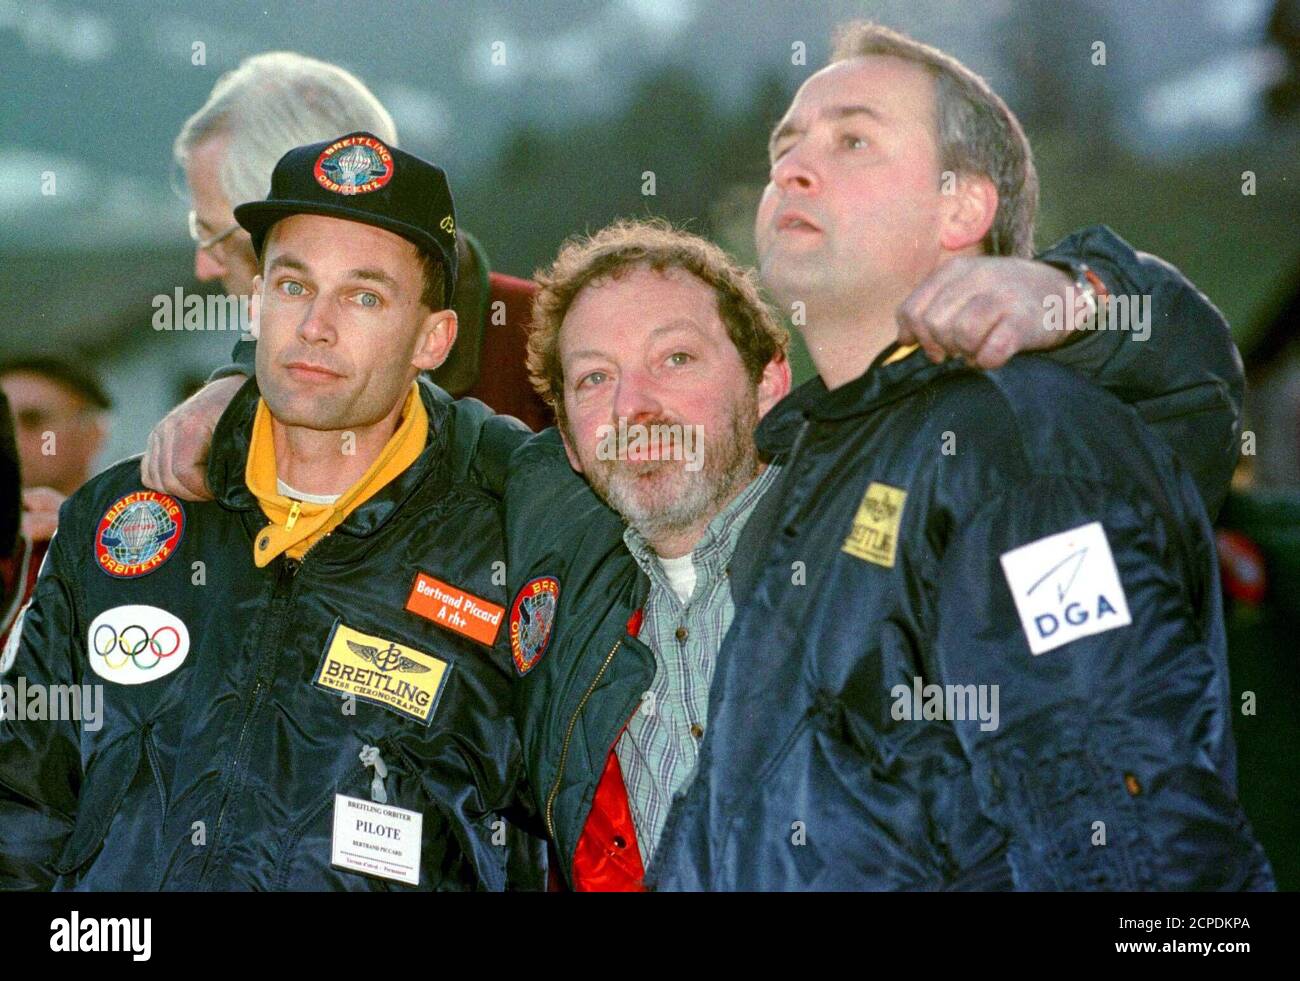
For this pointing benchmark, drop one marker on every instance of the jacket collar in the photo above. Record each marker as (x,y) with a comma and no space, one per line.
(233,435)
(892,375)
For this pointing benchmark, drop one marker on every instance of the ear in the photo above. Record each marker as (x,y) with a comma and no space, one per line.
(774,384)
(98,433)
(568,447)
(433,343)
(968,213)
(255,308)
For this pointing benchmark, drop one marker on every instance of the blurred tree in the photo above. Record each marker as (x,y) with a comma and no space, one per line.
(1049,50)
(669,138)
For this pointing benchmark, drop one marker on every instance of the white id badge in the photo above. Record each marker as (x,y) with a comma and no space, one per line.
(376,839)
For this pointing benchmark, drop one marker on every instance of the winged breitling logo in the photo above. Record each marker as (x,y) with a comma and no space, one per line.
(390,658)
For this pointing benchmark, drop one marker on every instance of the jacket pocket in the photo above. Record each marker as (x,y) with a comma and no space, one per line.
(306,851)
(124,767)
(294,865)
(1206,397)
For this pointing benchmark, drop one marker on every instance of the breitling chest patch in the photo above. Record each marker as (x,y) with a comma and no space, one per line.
(382,672)
(458,611)
(138,533)
(874,535)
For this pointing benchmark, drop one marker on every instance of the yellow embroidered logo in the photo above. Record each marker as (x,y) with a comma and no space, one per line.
(874,536)
(381,672)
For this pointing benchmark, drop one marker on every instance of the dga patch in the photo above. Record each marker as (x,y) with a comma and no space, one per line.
(1066,586)
(874,536)
(381,672)
(138,534)
(136,644)
(531,619)
(356,165)
(451,607)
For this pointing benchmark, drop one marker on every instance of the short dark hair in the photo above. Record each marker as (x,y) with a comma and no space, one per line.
(77,377)
(434,295)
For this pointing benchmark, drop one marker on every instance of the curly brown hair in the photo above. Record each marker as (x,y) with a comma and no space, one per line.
(653,243)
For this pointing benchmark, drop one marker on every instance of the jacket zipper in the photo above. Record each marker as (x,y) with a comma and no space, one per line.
(798,442)
(568,736)
(256,704)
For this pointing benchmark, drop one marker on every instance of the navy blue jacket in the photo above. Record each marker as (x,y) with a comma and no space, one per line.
(219,769)
(1017,535)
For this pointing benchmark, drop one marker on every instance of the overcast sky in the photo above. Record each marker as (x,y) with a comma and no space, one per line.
(95,91)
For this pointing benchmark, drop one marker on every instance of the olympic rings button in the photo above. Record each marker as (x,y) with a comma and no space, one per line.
(133,645)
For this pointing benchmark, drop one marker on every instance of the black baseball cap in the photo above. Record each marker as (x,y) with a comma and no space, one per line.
(360,178)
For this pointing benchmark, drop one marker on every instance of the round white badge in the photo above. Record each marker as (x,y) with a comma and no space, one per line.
(133,645)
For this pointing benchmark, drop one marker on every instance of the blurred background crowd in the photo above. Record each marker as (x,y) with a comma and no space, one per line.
(1180,131)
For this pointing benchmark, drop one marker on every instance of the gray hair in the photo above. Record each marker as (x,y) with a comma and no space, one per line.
(977,133)
(272,103)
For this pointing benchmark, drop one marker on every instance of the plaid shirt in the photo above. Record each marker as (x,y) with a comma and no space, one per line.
(659,750)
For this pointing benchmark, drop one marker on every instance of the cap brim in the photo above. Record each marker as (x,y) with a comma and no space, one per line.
(257,217)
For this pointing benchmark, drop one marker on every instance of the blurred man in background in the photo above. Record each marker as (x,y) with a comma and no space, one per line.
(60,413)
(10,513)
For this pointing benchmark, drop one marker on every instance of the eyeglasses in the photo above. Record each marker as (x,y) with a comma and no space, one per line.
(206,243)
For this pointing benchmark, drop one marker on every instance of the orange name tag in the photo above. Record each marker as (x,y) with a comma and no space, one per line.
(455,609)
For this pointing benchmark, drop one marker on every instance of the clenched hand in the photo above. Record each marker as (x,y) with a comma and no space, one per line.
(984,308)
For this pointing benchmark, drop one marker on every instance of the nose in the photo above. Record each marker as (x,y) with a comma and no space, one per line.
(794,172)
(635,400)
(207,267)
(316,328)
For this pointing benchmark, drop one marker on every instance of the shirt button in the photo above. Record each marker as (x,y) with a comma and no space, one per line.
(697,730)
(682,634)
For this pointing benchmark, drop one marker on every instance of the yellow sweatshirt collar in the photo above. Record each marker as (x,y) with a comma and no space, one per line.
(297,525)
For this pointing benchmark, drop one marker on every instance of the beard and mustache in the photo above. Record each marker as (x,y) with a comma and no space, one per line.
(661,498)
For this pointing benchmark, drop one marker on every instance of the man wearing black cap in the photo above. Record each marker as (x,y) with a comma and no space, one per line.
(305,680)
(11,584)
(61,419)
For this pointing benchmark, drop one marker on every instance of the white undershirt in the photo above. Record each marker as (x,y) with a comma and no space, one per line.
(284,490)
(681,576)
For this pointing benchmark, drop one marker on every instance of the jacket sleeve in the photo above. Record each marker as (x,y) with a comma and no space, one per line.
(552,514)
(482,442)
(40,760)
(1183,374)
(1107,760)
